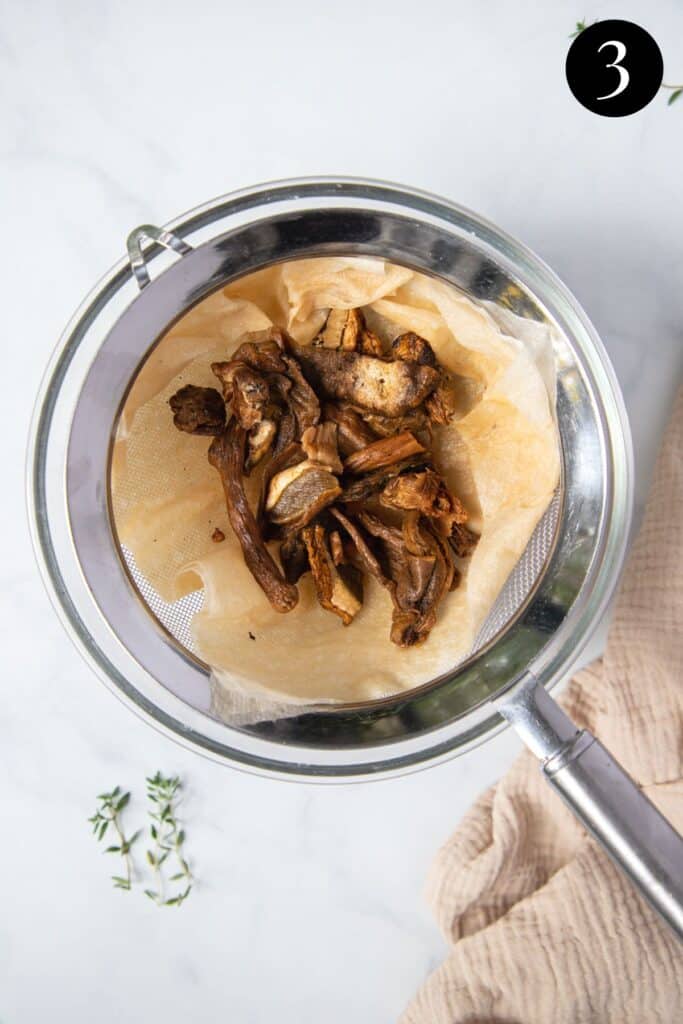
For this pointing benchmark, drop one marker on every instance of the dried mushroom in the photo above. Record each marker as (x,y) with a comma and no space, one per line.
(337,548)
(371,484)
(302,399)
(360,553)
(341,330)
(385,452)
(462,540)
(226,455)
(353,433)
(339,591)
(290,455)
(387,426)
(346,330)
(413,537)
(250,395)
(386,387)
(198,410)
(415,491)
(294,558)
(425,492)
(260,440)
(419,582)
(263,374)
(411,348)
(320,445)
(263,350)
(286,432)
(341,434)
(441,405)
(298,494)
(369,344)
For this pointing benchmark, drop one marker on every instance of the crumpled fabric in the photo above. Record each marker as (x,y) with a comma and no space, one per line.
(543,927)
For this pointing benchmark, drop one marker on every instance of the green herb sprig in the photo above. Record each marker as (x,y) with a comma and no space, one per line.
(108,812)
(164,793)
(581,26)
(677,91)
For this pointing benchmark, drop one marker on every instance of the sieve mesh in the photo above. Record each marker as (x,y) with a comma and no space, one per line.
(176,617)
(523,577)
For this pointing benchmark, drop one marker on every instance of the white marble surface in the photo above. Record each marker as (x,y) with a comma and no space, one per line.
(309,905)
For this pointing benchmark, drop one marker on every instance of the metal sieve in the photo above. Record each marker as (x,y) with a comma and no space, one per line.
(546,611)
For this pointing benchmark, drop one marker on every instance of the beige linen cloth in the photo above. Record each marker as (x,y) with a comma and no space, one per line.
(544,929)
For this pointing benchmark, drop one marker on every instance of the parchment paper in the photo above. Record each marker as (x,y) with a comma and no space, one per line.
(500,457)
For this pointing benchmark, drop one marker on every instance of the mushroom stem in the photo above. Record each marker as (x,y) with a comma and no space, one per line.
(226,455)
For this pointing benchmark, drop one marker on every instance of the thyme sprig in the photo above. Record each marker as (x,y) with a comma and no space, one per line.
(677,90)
(108,812)
(581,26)
(164,793)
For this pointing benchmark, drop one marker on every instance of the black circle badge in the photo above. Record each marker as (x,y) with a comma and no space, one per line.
(614,68)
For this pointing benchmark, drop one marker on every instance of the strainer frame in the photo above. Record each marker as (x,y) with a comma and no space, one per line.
(387,753)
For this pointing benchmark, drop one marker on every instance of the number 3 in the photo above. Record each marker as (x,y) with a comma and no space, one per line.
(624,77)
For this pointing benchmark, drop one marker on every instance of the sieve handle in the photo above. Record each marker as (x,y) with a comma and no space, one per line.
(136,256)
(604,798)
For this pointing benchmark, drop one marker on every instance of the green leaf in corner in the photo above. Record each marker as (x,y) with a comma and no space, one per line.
(581,26)
(674,96)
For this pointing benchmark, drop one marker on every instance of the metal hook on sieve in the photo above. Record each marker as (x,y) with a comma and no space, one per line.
(161,236)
